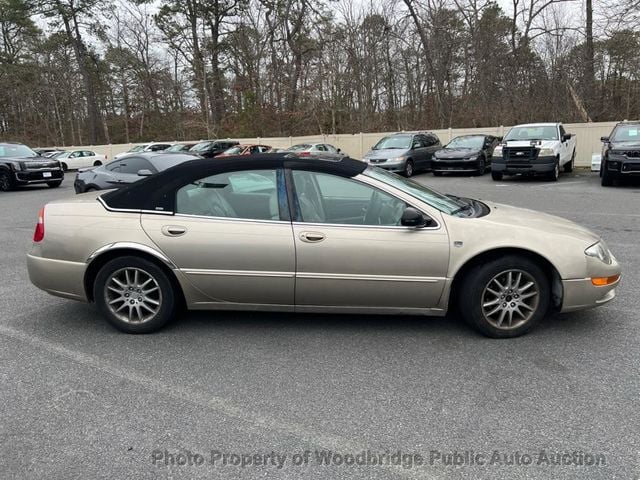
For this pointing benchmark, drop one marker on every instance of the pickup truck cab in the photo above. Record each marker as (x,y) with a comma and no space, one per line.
(534,149)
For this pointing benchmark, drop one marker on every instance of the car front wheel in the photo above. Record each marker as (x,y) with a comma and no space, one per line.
(408,168)
(6,181)
(505,297)
(134,294)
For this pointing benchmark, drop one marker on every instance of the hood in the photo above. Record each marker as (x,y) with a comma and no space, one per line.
(539,222)
(387,153)
(457,152)
(529,143)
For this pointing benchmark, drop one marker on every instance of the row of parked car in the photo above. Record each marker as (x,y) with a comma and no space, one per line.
(543,149)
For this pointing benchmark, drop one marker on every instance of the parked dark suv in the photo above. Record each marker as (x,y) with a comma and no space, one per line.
(212,148)
(621,153)
(19,165)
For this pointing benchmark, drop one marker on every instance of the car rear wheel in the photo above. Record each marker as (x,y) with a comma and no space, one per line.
(505,297)
(497,176)
(55,184)
(134,294)
(97,163)
(6,181)
(408,169)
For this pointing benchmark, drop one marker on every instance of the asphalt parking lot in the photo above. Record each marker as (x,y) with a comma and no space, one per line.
(81,400)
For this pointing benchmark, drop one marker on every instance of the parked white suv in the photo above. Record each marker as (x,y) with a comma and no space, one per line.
(534,149)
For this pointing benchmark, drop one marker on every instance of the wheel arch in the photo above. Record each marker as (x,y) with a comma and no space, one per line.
(110,252)
(551,272)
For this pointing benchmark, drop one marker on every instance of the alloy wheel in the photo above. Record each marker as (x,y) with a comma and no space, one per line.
(510,299)
(133,295)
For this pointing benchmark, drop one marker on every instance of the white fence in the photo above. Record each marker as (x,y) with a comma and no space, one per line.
(356,145)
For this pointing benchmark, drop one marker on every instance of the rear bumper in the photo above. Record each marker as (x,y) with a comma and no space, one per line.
(58,277)
(538,165)
(581,294)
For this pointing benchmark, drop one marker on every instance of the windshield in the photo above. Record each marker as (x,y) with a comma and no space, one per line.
(233,150)
(200,146)
(178,147)
(626,133)
(437,200)
(546,132)
(466,142)
(394,142)
(16,150)
(300,147)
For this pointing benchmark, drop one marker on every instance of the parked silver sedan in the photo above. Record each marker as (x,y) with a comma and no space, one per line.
(277,232)
(323,150)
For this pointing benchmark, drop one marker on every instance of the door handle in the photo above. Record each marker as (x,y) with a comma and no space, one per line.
(173,230)
(312,237)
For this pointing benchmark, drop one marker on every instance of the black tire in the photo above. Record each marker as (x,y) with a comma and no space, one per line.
(64,166)
(437,174)
(475,293)
(6,181)
(408,169)
(482,167)
(555,173)
(606,179)
(165,296)
(497,176)
(97,163)
(55,184)
(568,167)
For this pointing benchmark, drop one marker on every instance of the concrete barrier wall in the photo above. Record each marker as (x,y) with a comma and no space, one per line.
(356,145)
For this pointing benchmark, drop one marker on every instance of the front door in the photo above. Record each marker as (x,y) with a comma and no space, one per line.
(351,250)
(228,239)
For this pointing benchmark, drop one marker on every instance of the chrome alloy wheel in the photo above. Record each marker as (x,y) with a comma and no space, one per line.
(510,299)
(132,295)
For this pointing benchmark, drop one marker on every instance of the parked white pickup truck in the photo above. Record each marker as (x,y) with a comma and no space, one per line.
(534,149)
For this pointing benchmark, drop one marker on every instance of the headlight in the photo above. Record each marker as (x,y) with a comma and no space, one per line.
(546,152)
(396,159)
(601,252)
(497,151)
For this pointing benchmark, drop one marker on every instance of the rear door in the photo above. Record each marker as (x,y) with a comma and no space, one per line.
(232,239)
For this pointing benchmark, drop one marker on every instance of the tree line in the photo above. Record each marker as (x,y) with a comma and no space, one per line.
(114,71)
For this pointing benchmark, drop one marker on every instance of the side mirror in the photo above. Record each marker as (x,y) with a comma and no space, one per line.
(414,218)
(604,139)
(567,136)
(145,173)
(339,150)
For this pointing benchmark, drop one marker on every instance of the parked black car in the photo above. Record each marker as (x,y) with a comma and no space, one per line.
(19,165)
(212,148)
(126,170)
(466,153)
(621,153)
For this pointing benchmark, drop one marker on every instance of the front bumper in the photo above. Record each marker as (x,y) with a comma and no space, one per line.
(394,166)
(57,277)
(539,165)
(455,164)
(623,166)
(31,177)
(581,294)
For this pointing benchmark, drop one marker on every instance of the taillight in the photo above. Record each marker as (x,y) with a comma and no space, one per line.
(304,154)
(38,235)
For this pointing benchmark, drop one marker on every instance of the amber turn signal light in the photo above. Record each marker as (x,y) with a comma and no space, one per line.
(604,281)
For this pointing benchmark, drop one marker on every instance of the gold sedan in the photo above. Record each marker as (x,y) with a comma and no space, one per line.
(277,232)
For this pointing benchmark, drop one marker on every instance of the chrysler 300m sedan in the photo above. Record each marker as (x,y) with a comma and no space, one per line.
(277,232)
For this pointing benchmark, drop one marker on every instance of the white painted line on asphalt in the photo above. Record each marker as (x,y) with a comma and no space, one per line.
(606,214)
(255,420)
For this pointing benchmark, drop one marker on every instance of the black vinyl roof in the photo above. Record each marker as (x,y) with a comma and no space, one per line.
(156,193)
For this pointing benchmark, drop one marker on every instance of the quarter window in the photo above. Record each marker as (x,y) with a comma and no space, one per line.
(324,198)
(250,194)
(134,165)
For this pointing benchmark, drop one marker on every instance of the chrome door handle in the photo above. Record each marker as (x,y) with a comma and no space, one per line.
(312,237)
(173,230)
